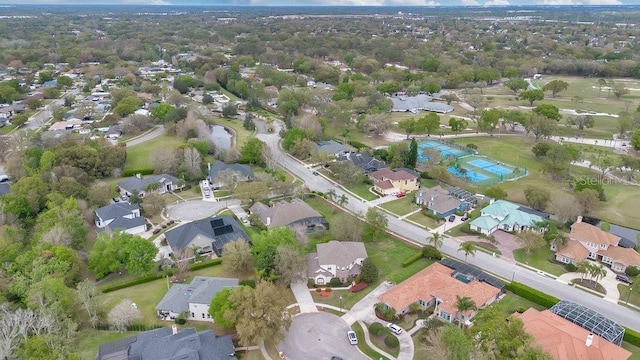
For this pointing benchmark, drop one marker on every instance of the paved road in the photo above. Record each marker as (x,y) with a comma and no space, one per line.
(501,267)
(319,336)
(157,131)
(40,118)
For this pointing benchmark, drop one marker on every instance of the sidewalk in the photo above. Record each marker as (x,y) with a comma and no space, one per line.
(303,297)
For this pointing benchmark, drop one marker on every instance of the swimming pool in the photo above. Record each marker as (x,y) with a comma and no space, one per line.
(469,174)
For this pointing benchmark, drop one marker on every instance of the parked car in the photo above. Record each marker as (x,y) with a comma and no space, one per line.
(401,195)
(315,173)
(464,218)
(624,278)
(353,338)
(395,328)
(452,218)
(336,358)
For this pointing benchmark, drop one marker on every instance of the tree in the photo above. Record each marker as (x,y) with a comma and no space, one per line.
(588,199)
(290,265)
(601,84)
(346,173)
(369,272)
(496,193)
(164,160)
(564,207)
(556,86)
(463,304)
(531,96)
(123,315)
(51,93)
(330,194)
(541,126)
(583,268)
(33,103)
(529,240)
(537,197)
(346,227)
(469,248)
(153,204)
(457,125)
(238,256)
(259,314)
(635,140)
(516,84)
(581,122)
(251,152)
(230,110)
(412,156)
(429,123)
(377,224)
(435,239)
(597,272)
(112,252)
(265,247)
(549,111)
(342,200)
(220,304)
(87,295)
(193,161)
(64,81)
(489,120)
(618,89)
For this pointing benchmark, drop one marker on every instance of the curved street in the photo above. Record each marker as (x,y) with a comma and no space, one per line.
(503,268)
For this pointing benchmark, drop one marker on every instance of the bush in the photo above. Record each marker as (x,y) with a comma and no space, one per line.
(472,146)
(136,281)
(181,321)
(632,271)
(358,287)
(358,279)
(391,341)
(328,289)
(375,328)
(428,213)
(430,252)
(632,336)
(532,294)
(335,282)
(311,283)
(318,290)
(206,264)
(249,282)
(412,259)
(521,309)
(358,145)
(425,175)
(571,267)
(133,172)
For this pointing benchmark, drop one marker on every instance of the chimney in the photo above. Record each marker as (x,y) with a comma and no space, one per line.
(139,176)
(589,340)
(174,329)
(579,219)
(268,221)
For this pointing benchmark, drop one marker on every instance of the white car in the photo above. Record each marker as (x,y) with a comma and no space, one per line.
(395,328)
(353,338)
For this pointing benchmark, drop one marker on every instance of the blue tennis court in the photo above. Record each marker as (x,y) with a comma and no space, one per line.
(444,150)
(490,167)
(469,174)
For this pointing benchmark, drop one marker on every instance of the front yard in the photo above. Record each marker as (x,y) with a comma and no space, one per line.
(401,206)
(540,259)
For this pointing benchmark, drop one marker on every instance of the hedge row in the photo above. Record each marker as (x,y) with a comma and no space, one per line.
(532,294)
(412,259)
(133,172)
(132,327)
(153,277)
(632,336)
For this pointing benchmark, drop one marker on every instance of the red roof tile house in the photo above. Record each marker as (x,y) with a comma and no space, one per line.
(590,242)
(439,286)
(387,181)
(564,340)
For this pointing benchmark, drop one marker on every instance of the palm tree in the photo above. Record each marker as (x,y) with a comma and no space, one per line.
(463,304)
(435,240)
(469,248)
(583,268)
(331,194)
(342,200)
(598,273)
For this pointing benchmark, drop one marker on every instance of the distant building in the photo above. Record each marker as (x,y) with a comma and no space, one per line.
(170,344)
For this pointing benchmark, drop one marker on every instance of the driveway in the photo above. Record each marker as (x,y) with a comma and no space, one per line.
(609,283)
(319,336)
(303,297)
(363,309)
(197,209)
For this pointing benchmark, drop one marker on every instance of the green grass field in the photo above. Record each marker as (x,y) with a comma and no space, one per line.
(242,134)
(138,155)
(362,345)
(539,259)
(401,206)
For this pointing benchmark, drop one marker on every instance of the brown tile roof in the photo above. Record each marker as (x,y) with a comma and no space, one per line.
(564,340)
(436,281)
(385,184)
(623,255)
(587,232)
(386,173)
(574,250)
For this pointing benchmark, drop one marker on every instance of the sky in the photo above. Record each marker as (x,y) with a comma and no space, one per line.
(332,2)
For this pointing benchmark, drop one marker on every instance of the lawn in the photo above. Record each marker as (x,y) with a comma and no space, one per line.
(633,298)
(241,134)
(423,219)
(635,351)
(362,345)
(401,206)
(511,302)
(138,155)
(379,342)
(621,199)
(348,298)
(362,190)
(89,341)
(539,259)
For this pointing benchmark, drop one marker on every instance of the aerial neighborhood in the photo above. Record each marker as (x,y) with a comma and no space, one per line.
(315,182)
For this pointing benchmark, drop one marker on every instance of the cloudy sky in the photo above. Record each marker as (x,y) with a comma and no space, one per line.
(333,2)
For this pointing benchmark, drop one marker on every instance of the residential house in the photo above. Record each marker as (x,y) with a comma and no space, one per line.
(439,202)
(439,286)
(332,147)
(294,214)
(336,259)
(140,185)
(419,102)
(71,124)
(507,216)
(240,173)
(170,344)
(120,216)
(206,236)
(387,181)
(564,340)
(363,160)
(590,242)
(192,299)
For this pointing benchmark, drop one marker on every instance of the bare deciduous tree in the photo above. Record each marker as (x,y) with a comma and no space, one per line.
(88,298)
(290,265)
(346,227)
(153,204)
(57,235)
(164,160)
(193,161)
(181,262)
(238,257)
(123,315)
(192,127)
(136,124)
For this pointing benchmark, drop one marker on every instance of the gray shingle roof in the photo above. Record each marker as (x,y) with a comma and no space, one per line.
(116,210)
(340,253)
(220,230)
(161,344)
(286,213)
(418,102)
(123,224)
(215,169)
(201,290)
(363,160)
(331,147)
(140,184)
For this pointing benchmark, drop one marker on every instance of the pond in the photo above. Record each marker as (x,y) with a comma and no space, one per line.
(221,137)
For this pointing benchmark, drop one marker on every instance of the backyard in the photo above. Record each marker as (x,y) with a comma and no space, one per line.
(138,155)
